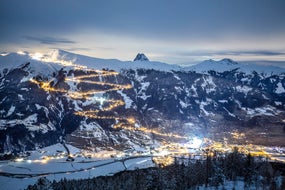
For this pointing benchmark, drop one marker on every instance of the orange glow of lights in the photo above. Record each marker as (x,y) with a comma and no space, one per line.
(107,105)
(163,160)
(46,86)
(146,130)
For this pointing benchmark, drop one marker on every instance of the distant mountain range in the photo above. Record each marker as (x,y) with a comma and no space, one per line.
(228,64)
(57,59)
(99,104)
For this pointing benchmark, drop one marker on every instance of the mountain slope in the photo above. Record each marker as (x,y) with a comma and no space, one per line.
(94,108)
(112,64)
(23,60)
(228,64)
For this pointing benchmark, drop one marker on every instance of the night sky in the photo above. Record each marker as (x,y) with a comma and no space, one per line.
(181,31)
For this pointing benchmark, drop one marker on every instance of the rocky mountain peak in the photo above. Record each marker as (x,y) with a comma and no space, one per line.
(228,61)
(141,57)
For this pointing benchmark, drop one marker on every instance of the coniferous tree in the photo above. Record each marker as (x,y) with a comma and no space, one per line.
(182,175)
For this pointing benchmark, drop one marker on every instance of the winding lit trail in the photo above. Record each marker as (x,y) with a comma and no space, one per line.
(106,105)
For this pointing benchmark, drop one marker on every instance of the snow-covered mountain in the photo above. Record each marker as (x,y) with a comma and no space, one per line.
(17,60)
(96,103)
(57,59)
(228,64)
(54,60)
(141,57)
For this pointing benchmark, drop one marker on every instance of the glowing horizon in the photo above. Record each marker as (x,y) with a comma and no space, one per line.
(182,32)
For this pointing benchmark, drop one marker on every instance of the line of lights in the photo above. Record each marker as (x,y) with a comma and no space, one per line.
(166,149)
(101,74)
(106,104)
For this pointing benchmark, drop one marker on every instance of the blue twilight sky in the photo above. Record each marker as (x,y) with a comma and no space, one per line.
(174,31)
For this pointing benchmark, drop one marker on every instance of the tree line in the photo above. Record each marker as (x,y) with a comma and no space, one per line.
(185,173)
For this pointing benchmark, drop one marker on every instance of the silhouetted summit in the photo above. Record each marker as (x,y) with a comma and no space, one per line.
(141,57)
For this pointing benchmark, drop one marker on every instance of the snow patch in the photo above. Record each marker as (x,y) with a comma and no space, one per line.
(202,107)
(175,76)
(30,120)
(280,89)
(20,96)
(183,104)
(267,110)
(128,101)
(25,79)
(143,89)
(44,108)
(11,111)
(208,84)
(230,114)
(25,89)
(76,106)
(243,89)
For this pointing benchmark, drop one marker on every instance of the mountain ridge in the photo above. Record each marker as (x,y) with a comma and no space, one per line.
(57,59)
(130,108)
(228,64)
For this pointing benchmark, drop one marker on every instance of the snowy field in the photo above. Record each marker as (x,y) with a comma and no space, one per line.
(20,173)
(50,162)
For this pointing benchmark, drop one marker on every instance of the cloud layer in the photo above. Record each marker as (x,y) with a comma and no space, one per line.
(49,40)
(162,28)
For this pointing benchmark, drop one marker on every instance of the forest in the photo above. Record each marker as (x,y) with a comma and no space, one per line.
(215,171)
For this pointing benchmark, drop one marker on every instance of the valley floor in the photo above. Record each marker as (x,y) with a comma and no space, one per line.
(51,163)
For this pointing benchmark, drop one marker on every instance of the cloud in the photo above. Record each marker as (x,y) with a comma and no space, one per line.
(257,53)
(235,53)
(119,29)
(49,40)
(173,20)
(77,49)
